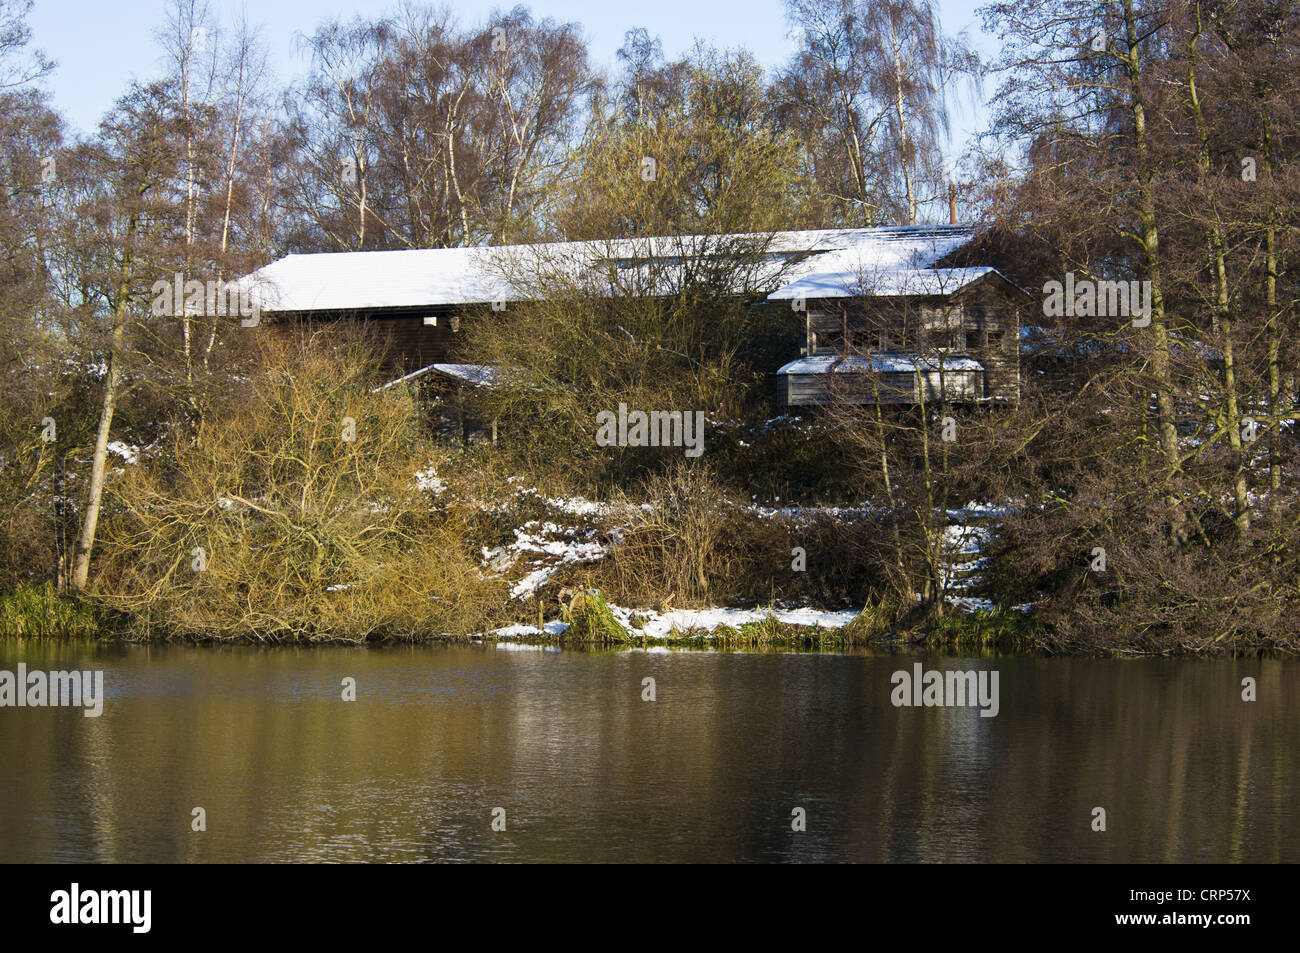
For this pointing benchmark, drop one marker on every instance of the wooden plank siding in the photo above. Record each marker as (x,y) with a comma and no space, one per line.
(405,342)
(982,323)
(890,387)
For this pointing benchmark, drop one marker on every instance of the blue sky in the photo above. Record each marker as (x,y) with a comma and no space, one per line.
(101,44)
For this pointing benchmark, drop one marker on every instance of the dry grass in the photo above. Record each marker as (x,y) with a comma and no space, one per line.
(672,552)
(695,544)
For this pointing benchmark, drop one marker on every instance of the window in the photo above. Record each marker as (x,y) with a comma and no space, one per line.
(944,327)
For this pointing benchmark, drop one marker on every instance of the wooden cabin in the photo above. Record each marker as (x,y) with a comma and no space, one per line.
(885,315)
(961,345)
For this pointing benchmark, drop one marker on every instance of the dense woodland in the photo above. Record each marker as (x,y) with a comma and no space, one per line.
(185,476)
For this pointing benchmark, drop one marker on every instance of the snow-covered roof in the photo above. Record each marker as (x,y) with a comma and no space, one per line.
(850,275)
(480,375)
(794,264)
(877,363)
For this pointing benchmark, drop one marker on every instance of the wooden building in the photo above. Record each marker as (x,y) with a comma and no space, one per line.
(886,314)
(921,341)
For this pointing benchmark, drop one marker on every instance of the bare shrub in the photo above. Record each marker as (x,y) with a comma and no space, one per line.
(671,549)
(298,516)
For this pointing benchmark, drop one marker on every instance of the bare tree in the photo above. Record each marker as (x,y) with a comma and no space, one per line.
(416,132)
(869,90)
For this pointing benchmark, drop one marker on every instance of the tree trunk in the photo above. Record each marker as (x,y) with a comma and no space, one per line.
(1150,243)
(95,490)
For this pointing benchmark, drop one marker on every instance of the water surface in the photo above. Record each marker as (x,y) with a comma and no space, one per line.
(440,736)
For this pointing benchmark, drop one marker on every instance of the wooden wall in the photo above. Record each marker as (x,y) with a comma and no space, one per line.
(406,342)
(411,344)
(982,323)
(893,387)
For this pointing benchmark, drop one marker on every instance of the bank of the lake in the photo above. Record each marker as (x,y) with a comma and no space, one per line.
(589,621)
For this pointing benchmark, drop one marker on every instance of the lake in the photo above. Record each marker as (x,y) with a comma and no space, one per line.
(561,749)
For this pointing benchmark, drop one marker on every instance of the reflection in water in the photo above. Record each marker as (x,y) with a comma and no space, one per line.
(587,771)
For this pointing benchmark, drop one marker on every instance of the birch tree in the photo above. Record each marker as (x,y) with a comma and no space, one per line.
(870,90)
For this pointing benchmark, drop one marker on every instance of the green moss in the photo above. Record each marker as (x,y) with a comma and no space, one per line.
(590,620)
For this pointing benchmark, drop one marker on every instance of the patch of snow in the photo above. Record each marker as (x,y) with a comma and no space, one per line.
(532,582)
(978,510)
(660,625)
(523,630)
(427,479)
(127,452)
(577,506)
(801,513)
(962,540)
(557,544)
(480,375)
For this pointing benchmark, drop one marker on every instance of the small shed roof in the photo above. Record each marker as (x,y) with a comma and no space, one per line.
(480,375)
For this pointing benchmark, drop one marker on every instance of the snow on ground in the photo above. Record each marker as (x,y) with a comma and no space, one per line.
(127,452)
(975,510)
(522,630)
(961,539)
(964,541)
(557,545)
(427,479)
(800,513)
(532,582)
(659,625)
(577,506)
(544,547)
